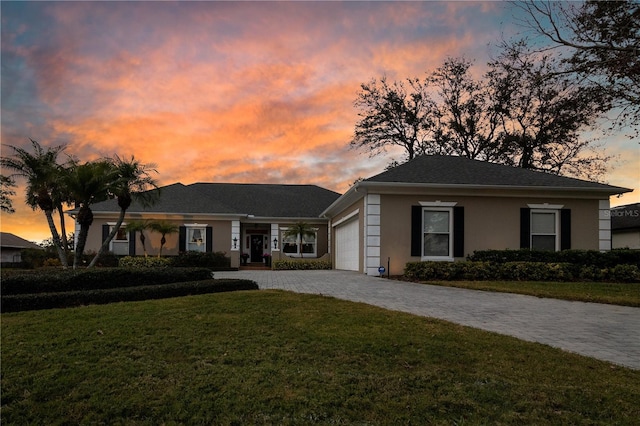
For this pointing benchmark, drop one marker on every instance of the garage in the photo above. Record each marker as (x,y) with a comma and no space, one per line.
(347,236)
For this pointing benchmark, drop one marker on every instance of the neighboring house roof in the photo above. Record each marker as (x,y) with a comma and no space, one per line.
(260,200)
(625,217)
(453,172)
(8,240)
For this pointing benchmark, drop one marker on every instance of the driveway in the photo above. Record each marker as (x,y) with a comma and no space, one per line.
(606,332)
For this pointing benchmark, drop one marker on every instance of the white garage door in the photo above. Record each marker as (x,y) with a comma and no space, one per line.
(348,245)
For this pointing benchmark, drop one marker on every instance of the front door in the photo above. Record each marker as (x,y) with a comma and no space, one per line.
(256,248)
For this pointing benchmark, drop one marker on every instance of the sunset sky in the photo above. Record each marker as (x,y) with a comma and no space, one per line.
(257,92)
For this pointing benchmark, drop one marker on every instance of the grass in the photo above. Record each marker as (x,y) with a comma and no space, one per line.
(274,357)
(626,294)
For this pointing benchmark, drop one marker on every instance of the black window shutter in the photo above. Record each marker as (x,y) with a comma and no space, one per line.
(416,231)
(209,238)
(182,239)
(565,229)
(132,243)
(458,232)
(525,228)
(105,232)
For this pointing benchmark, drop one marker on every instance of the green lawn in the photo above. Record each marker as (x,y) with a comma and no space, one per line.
(273,357)
(627,294)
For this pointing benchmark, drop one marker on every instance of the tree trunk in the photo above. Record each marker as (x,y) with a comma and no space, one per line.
(82,240)
(144,248)
(63,236)
(56,238)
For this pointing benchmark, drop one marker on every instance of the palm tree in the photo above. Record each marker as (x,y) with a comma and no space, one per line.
(6,192)
(87,184)
(43,175)
(132,180)
(140,226)
(299,230)
(163,227)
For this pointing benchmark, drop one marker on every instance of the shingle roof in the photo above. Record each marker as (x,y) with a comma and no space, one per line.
(8,240)
(263,200)
(450,170)
(625,217)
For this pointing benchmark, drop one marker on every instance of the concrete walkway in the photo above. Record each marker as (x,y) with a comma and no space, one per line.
(606,332)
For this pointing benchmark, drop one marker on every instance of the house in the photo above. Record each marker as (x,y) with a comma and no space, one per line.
(11,247)
(443,208)
(222,217)
(625,226)
(430,208)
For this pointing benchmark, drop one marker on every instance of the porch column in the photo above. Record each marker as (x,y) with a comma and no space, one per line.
(235,235)
(275,230)
(235,244)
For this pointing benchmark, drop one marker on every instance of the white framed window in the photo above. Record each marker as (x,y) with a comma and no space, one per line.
(196,237)
(292,246)
(545,226)
(437,233)
(119,245)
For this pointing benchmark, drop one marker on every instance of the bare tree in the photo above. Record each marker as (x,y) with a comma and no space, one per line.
(599,42)
(543,115)
(394,114)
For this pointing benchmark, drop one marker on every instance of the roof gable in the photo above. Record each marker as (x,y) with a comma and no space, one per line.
(452,170)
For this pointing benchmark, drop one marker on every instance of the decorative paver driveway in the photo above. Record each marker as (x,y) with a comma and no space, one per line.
(607,332)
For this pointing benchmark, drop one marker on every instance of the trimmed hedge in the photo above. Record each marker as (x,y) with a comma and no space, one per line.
(604,259)
(301,264)
(218,260)
(144,262)
(27,302)
(51,281)
(519,271)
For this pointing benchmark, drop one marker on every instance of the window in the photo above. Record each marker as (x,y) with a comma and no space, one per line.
(291,244)
(196,238)
(437,230)
(544,230)
(119,245)
(437,239)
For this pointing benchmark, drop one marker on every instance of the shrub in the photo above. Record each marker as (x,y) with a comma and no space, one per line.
(518,271)
(310,264)
(144,262)
(24,302)
(200,259)
(624,273)
(606,259)
(101,278)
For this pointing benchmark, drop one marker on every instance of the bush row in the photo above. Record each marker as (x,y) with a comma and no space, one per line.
(27,302)
(218,260)
(144,262)
(49,281)
(286,264)
(519,271)
(605,259)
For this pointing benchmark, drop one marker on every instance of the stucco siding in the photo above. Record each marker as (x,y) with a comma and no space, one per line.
(489,223)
